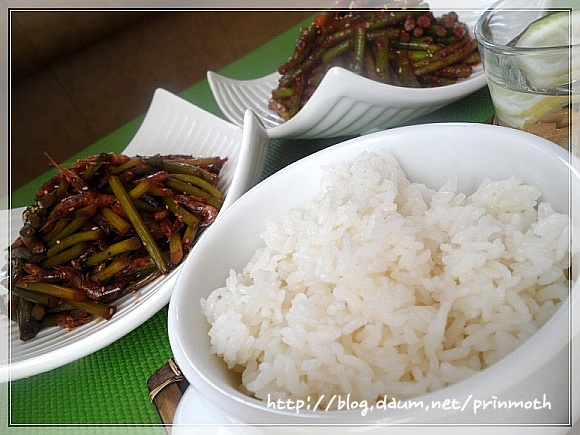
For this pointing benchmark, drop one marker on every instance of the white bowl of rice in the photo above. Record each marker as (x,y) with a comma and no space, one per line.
(414,277)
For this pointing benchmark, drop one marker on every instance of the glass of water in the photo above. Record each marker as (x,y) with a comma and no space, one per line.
(530,51)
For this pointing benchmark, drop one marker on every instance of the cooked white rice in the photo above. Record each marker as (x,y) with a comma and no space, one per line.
(383,286)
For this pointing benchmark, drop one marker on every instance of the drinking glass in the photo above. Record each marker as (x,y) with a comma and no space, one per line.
(533,87)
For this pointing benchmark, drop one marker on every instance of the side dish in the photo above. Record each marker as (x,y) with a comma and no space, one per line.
(103,228)
(410,47)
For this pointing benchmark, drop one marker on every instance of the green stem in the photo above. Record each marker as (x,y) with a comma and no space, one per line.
(381,50)
(80,218)
(111,270)
(142,231)
(72,240)
(58,291)
(359,49)
(64,256)
(126,245)
(96,308)
(201,183)
(184,168)
(120,224)
(188,189)
(182,213)
(460,54)
(37,298)
(331,53)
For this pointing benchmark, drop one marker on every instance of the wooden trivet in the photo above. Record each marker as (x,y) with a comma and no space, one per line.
(166,388)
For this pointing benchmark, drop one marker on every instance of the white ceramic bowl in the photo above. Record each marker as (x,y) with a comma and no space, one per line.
(171,125)
(429,154)
(345,103)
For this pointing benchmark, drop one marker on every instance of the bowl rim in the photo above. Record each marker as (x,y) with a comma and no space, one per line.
(479,34)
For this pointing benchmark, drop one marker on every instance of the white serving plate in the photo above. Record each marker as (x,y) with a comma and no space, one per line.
(428,154)
(171,125)
(345,103)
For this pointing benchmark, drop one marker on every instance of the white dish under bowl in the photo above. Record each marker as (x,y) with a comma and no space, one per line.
(345,103)
(429,154)
(171,125)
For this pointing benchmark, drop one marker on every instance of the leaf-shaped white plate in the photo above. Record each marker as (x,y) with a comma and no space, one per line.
(345,103)
(171,126)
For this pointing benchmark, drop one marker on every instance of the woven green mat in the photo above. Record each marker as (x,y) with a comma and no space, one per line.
(106,392)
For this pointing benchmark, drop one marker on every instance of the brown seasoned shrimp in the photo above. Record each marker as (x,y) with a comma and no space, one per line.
(77,201)
(198,206)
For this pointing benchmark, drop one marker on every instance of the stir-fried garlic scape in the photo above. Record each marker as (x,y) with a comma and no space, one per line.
(104,228)
(402,47)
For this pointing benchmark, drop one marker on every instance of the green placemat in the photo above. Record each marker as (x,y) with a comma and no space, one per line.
(108,388)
